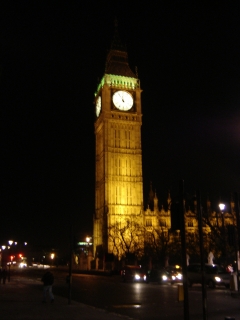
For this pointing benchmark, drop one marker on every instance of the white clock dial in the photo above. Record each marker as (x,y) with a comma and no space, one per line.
(98,106)
(122,100)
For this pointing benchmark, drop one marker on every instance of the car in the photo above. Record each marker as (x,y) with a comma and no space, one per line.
(158,275)
(169,274)
(215,275)
(133,274)
(175,273)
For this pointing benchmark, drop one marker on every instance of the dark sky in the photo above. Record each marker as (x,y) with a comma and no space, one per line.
(52,55)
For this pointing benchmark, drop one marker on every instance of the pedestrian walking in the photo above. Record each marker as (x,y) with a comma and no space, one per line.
(48,280)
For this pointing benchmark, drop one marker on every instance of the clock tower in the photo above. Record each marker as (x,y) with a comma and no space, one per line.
(119,185)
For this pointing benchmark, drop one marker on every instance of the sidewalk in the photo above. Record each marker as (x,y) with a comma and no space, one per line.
(21,299)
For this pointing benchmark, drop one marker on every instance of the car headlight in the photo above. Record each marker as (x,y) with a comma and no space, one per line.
(145,277)
(22,265)
(137,276)
(218,279)
(164,277)
(179,276)
(173,277)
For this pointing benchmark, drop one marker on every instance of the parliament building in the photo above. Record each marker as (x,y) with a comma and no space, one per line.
(121,224)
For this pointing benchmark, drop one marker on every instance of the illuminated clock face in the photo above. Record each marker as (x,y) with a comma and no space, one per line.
(122,100)
(98,106)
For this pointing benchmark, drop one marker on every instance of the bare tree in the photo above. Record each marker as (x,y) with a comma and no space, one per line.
(156,245)
(126,238)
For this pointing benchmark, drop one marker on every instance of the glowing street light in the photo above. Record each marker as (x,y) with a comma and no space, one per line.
(52,256)
(88,240)
(222,208)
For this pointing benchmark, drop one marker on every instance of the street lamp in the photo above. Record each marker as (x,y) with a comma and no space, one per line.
(88,240)
(222,208)
(52,257)
(3,255)
(10,242)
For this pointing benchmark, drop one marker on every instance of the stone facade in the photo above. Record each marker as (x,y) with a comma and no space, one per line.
(119,185)
(120,223)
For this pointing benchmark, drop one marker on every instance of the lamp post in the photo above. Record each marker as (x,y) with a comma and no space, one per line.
(3,256)
(10,242)
(88,262)
(222,208)
(87,240)
(238,237)
(52,256)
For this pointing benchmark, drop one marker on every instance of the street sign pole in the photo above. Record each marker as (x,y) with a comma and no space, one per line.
(184,253)
(204,291)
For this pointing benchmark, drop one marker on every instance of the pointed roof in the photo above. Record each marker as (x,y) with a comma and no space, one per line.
(117,58)
(117,43)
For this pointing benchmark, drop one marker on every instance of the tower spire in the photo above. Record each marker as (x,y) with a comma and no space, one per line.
(117,58)
(117,43)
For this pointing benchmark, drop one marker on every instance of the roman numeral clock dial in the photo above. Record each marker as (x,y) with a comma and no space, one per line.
(122,100)
(98,106)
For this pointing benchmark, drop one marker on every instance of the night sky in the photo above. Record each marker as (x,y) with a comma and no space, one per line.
(53,54)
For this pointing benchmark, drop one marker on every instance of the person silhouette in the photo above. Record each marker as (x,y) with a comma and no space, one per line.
(48,280)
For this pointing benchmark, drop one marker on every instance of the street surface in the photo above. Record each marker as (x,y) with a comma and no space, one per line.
(141,300)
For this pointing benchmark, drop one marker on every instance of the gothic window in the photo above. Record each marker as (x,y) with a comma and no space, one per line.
(117,138)
(128,138)
(112,137)
(118,194)
(190,224)
(148,237)
(128,168)
(129,195)
(119,167)
(191,237)
(116,166)
(162,223)
(132,140)
(149,222)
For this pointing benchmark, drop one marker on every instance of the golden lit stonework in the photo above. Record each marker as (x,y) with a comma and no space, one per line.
(119,185)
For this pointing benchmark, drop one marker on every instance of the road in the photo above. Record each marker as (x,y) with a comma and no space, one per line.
(144,301)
